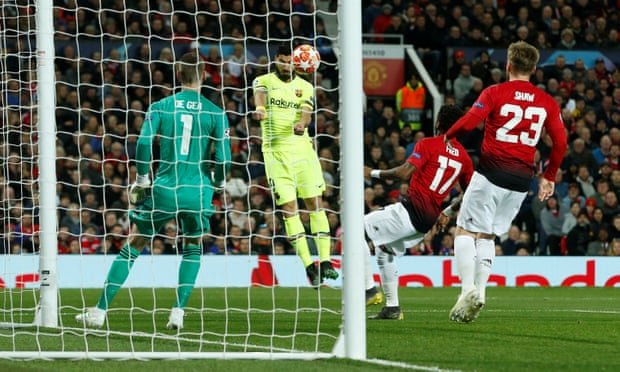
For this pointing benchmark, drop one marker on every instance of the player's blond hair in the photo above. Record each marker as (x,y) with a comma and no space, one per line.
(523,57)
(190,68)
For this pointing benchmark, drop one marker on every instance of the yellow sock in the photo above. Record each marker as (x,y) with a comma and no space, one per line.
(296,232)
(319,227)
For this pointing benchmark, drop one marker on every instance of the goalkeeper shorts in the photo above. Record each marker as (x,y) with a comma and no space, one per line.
(192,224)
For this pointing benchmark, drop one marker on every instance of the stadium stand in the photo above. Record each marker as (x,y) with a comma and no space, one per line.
(105,95)
(579,53)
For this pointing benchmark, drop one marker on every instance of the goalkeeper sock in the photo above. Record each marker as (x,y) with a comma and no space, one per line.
(465,256)
(296,232)
(485,251)
(389,277)
(117,275)
(370,280)
(319,227)
(188,271)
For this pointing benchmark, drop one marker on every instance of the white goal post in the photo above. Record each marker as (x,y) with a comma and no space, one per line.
(47,312)
(310,321)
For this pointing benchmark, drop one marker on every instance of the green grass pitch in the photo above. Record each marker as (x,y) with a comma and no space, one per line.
(521,329)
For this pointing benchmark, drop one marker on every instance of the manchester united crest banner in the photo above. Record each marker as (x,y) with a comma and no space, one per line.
(383,69)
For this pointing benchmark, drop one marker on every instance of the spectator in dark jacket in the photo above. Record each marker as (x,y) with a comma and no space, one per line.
(610,206)
(579,236)
(551,219)
(473,93)
(580,155)
(509,246)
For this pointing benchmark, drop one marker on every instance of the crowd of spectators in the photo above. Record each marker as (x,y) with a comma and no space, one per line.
(103,90)
(583,217)
(102,98)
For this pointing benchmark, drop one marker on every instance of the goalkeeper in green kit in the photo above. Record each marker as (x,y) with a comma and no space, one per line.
(190,128)
(284,104)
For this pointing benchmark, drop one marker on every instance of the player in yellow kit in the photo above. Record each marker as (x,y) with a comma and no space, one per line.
(284,104)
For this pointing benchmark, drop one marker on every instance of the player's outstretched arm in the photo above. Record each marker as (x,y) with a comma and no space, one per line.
(557,131)
(465,124)
(403,171)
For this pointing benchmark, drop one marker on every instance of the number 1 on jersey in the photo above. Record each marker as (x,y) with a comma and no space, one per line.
(187,121)
(444,163)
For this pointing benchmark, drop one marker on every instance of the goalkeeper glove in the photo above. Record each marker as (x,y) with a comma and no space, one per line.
(220,185)
(139,190)
(217,185)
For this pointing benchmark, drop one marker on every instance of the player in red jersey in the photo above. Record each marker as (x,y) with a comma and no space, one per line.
(432,170)
(514,114)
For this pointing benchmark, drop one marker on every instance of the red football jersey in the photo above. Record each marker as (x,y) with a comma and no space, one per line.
(439,166)
(515,113)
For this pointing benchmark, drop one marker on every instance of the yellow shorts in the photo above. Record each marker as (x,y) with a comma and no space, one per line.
(294,175)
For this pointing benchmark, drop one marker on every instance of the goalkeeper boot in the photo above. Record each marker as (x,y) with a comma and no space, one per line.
(389,312)
(467,308)
(328,271)
(373,296)
(313,275)
(93,317)
(175,320)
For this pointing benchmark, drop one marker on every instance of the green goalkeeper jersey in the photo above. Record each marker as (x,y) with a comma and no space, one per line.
(187,126)
(283,107)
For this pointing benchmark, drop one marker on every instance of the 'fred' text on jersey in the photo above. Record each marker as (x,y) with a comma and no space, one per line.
(452,150)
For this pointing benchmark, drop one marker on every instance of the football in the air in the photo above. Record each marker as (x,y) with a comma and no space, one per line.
(306,59)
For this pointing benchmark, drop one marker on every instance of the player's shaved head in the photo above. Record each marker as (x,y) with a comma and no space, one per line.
(284,68)
(448,115)
(190,68)
(523,57)
(284,49)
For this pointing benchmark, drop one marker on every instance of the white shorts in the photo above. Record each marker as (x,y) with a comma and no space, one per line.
(488,208)
(392,228)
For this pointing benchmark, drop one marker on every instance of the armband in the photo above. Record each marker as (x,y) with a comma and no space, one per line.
(375,173)
(261,108)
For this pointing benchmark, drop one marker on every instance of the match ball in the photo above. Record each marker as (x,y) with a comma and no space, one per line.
(306,59)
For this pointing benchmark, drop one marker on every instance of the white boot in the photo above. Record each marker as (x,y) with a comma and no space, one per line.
(467,307)
(175,321)
(94,317)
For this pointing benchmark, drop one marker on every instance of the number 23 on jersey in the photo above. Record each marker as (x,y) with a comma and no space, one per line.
(515,114)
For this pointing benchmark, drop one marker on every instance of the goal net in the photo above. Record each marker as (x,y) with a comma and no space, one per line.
(66,187)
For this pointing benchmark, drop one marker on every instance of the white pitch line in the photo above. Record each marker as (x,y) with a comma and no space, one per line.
(428,299)
(522,311)
(414,367)
(597,311)
(554,311)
